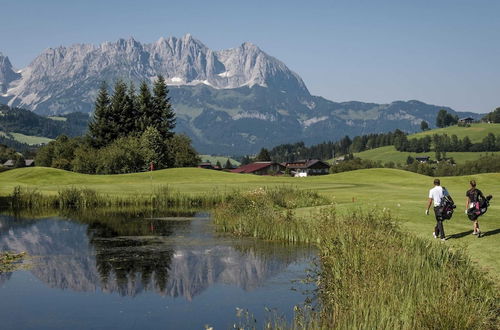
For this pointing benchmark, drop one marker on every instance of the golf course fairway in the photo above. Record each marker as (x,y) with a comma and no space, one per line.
(403,193)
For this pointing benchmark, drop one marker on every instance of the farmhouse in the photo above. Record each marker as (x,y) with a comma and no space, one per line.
(261,168)
(11,163)
(308,167)
(466,120)
(423,159)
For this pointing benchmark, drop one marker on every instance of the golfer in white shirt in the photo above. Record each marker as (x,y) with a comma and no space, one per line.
(435,196)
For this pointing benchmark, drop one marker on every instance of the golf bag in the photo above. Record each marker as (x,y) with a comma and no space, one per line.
(447,207)
(478,208)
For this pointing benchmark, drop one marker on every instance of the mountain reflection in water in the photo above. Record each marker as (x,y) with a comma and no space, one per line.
(130,254)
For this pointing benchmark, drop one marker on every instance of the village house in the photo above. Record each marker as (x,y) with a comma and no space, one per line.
(423,159)
(261,168)
(466,120)
(308,167)
(27,163)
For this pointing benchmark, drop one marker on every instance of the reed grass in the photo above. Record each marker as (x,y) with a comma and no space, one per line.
(372,274)
(260,213)
(84,198)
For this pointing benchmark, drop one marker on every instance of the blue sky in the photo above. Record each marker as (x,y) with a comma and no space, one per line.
(439,52)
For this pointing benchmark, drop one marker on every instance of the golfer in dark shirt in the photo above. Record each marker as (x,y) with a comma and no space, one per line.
(473,197)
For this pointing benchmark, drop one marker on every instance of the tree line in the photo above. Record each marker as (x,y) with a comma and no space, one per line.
(493,117)
(294,151)
(485,164)
(129,132)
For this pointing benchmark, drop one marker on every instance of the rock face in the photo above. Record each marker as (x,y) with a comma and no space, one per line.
(65,79)
(7,74)
(231,102)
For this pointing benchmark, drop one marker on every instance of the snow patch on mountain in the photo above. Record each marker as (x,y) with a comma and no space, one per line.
(254,115)
(313,120)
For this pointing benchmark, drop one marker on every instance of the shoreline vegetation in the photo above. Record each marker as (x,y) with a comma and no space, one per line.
(371,274)
(74,198)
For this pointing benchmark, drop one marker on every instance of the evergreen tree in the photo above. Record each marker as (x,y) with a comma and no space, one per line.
(183,152)
(145,107)
(130,113)
(118,111)
(441,117)
(99,126)
(246,160)
(263,156)
(424,126)
(466,144)
(218,164)
(154,149)
(228,165)
(163,116)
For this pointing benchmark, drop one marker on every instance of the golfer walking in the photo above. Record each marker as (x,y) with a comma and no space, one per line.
(435,196)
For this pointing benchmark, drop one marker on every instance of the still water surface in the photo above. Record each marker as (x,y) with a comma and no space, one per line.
(123,271)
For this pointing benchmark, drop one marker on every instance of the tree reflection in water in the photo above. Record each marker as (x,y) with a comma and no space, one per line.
(128,252)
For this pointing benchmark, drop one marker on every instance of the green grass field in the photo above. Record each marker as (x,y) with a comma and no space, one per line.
(221,159)
(402,192)
(476,133)
(28,139)
(57,118)
(389,153)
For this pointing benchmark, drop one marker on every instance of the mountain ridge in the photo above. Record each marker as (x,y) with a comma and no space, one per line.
(231,101)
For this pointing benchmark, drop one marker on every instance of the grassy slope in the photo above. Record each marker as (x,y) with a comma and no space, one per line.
(28,139)
(476,133)
(404,193)
(389,153)
(221,159)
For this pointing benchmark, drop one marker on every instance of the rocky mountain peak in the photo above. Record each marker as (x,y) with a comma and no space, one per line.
(73,73)
(7,73)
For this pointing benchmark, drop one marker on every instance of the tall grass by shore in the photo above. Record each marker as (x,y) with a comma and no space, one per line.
(84,198)
(372,274)
(260,213)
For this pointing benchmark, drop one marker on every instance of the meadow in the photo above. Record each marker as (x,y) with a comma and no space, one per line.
(221,159)
(390,154)
(475,132)
(28,139)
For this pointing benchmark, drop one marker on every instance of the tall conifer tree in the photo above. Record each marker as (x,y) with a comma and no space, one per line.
(118,108)
(163,116)
(98,126)
(144,107)
(130,112)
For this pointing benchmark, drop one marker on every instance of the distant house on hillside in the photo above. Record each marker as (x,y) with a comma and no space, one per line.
(27,163)
(308,167)
(339,159)
(261,168)
(423,159)
(206,165)
(466,120)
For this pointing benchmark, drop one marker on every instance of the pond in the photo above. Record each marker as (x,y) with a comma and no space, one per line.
(171,270)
